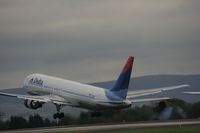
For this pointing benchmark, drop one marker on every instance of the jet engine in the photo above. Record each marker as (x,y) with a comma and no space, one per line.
(31,104)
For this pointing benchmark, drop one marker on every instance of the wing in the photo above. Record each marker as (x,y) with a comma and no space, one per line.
(133,94)
(44,98)
(192,93)
(139,93)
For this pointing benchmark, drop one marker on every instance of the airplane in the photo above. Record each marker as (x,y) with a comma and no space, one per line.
(47,89)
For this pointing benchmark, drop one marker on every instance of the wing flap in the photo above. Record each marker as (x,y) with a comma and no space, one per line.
(8,94)
(149,99)
(192,93)
(45,98)
(139,93)
(142,94)
(28,97)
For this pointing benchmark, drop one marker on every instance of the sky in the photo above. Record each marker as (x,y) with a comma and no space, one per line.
(89,40)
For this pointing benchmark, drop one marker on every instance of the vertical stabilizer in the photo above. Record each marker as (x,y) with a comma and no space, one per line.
(120,87)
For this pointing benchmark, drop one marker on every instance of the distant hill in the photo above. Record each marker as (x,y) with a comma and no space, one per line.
(15,106)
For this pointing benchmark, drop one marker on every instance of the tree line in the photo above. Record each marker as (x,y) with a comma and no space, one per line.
(178,109)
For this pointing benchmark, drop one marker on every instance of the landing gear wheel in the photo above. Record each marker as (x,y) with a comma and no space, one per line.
(61,115)
(58,115)
(55,116)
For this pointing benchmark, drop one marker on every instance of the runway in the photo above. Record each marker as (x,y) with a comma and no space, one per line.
(108,126)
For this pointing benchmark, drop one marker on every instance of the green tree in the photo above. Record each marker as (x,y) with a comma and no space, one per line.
(3,124)
(68,120)
(17,122)
(35,121)
(194,111)
(47,122)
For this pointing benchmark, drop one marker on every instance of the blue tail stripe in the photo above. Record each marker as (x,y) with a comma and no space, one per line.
(122,82)
(121,85)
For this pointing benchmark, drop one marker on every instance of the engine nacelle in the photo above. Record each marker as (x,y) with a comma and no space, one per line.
(31,104)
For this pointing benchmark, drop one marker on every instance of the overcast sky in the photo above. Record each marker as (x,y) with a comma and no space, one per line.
(89,41)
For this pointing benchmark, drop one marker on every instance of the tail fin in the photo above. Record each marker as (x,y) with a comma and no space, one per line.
(120,87)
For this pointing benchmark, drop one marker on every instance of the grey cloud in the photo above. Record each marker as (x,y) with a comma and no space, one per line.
(53,37)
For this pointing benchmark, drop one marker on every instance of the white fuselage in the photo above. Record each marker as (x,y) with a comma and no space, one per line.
(74,93)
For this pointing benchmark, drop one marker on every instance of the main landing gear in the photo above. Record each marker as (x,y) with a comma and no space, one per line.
(59,114)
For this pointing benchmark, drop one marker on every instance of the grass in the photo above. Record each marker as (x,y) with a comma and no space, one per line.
(185,129)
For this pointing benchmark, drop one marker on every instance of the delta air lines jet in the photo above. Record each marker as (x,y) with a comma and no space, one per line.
(42,89)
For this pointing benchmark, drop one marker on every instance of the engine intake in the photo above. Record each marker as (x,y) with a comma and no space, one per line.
(31,104)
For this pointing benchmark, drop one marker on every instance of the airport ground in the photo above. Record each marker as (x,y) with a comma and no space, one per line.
(175,126)
(173,129)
